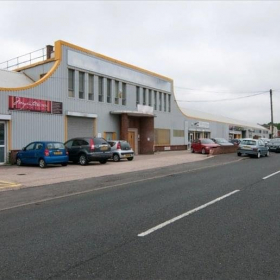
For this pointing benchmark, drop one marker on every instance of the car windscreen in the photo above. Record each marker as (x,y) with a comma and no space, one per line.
(100,141)
(249,142)
(221,140)
(207,141)
(111,143)
(274,141)
(55,146)
(125,146)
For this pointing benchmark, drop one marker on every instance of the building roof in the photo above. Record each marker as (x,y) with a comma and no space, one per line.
(210,117)
(11,79)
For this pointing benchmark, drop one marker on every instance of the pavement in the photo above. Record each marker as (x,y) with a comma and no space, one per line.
(19,177)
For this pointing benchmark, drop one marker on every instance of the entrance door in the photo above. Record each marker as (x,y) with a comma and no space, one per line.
(2,142)
(131,140)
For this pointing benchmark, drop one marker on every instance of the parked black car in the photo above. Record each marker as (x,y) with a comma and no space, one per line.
(274,145)
(235,141)
(82,150)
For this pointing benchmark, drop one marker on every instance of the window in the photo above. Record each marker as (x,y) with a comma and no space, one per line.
(30,147)
(160,101)
(155,100)
(169,102)
(150,97)
(162,136)
(100,89)
(71,83)
(38,146)
(81,85)
(90,87)
(144,96)
(116,92)
(69,144)
(110,135)
(123,94)
(109,91)
(178,133)
(137,96)
(164,102)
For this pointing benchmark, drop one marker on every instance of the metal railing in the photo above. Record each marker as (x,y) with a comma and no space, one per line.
(24,60)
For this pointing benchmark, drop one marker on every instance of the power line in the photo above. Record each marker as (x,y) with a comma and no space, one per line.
(223,91)
(221,100)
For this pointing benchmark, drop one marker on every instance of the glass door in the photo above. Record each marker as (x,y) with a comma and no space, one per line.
(2,142)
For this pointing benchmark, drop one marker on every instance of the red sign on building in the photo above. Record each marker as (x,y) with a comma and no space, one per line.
(34,105)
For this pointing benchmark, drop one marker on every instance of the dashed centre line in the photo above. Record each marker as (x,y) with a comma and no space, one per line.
(264,178)
(185,214)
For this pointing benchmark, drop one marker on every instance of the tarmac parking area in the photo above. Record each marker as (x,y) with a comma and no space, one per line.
(17,177)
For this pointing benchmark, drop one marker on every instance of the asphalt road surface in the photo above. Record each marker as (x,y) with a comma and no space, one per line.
(208,220)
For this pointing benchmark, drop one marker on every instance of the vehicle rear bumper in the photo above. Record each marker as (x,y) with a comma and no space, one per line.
(247,152)
(126,154)
(56,159)
(101,156)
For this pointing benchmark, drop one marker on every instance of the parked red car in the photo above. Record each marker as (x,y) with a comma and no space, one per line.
(203,145)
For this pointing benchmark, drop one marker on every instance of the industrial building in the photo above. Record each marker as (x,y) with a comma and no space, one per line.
(71,91)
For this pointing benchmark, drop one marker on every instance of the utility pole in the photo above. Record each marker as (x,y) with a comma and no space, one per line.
(271,108)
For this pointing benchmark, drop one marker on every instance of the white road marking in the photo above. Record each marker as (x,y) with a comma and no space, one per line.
(271,175)
(113,186)
(185,214)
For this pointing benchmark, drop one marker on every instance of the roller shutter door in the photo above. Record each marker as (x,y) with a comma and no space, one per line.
(80,127)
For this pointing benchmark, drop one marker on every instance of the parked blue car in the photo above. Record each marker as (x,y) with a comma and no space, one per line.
(43,153)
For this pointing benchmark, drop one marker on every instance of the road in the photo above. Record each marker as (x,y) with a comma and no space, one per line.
(208,220)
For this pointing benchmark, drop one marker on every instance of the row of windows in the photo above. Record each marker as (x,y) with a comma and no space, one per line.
(115,91)
(159,100)
(119,94)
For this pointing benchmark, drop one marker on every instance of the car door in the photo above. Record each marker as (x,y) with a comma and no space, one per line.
(199,146)
(72,150)
(195,145)
(262,147)
(38,152)
(28,153)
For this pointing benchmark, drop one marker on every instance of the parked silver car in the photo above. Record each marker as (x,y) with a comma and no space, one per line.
(252,147)
(121,150)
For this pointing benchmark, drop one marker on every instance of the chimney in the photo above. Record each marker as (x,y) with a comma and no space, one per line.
(49,51)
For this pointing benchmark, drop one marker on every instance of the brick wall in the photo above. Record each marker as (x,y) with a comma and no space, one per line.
(170,148)
(224,150)
(147,135)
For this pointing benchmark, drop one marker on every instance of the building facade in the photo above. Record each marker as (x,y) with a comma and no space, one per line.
(77,92)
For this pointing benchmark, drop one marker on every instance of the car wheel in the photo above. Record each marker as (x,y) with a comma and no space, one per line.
(258,154)
(83,159)
(192,150)
(130,158)
(116,158)
(239,154)
(42,163)
(203,151)
(103,161)
(19,162)
(267,154)
(64,164)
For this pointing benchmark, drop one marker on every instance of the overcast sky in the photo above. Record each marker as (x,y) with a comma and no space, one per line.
(212,50)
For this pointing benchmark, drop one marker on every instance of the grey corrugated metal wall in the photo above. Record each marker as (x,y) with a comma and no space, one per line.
(28,127)
(80,127)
